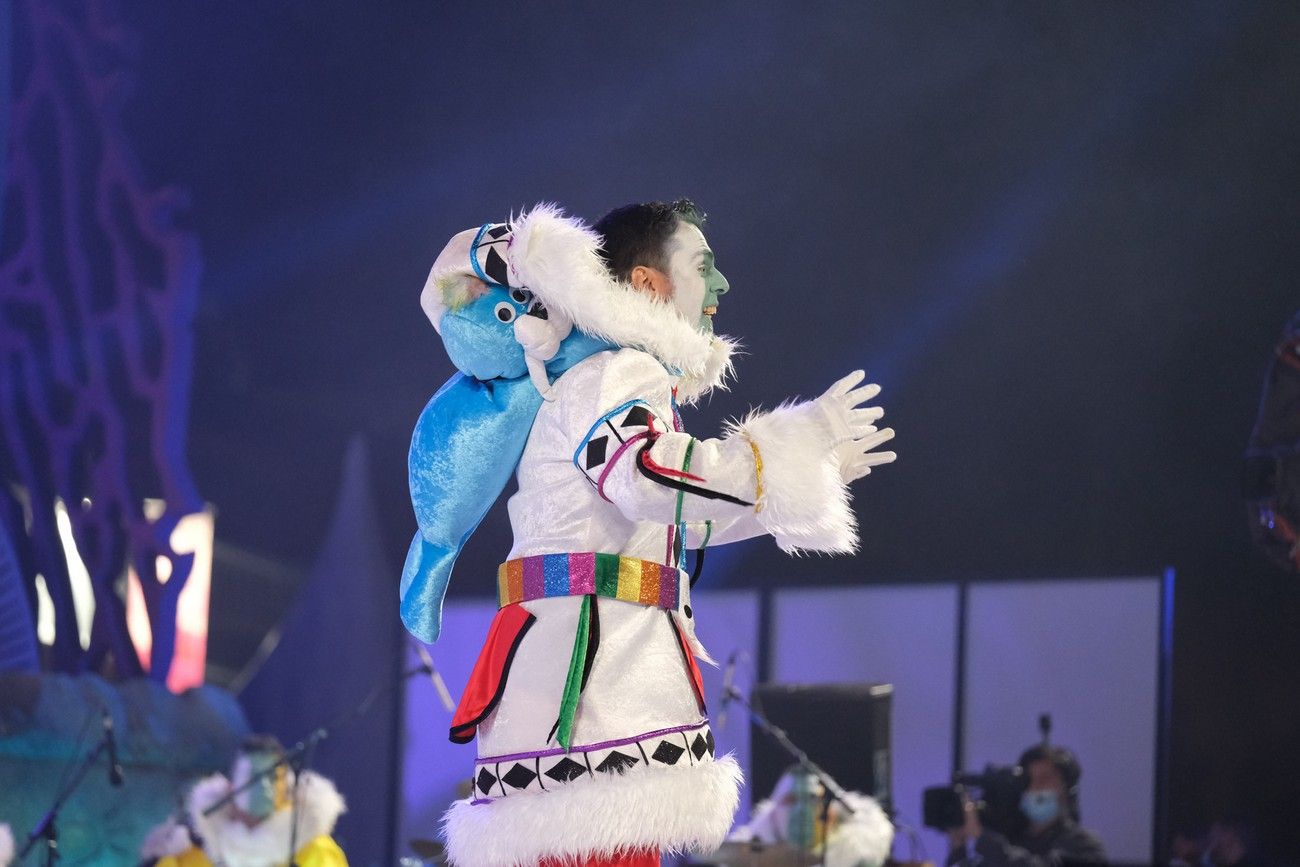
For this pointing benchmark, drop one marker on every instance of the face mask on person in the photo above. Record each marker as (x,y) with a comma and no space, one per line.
(259,799)
(1040,807)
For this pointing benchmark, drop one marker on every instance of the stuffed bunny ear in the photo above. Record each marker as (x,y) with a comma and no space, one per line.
(464,451)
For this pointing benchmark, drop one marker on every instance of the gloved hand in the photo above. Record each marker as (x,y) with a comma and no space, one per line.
(854,434)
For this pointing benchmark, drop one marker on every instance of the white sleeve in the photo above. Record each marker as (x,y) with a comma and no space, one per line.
(625,441)
(775,472)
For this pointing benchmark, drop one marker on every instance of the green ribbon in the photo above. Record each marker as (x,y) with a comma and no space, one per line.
(573,683)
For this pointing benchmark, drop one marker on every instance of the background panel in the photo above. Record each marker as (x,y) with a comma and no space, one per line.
(433,766)
(904,635)
(1087,652)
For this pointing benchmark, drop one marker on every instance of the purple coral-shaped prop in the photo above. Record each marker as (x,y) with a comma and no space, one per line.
(97,294)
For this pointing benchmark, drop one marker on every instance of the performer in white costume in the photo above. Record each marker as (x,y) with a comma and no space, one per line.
(593,740)
(257,828)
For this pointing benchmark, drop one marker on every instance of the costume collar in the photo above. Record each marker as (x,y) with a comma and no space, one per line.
(557,258)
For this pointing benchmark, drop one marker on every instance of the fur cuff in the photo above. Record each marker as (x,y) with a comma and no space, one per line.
(805,502)
(666,809)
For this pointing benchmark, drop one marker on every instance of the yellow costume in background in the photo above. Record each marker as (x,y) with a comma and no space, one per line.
(228,842)
(321,852)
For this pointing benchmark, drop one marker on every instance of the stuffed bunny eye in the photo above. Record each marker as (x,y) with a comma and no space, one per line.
(523,296)
(505,312)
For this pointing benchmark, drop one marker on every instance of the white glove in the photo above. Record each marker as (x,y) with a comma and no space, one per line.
(853,431)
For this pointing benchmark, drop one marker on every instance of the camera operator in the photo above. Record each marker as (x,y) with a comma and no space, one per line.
(1049,836)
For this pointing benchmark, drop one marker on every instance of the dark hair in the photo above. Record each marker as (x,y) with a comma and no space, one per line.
(1066,765)
(637,234)
(261,744)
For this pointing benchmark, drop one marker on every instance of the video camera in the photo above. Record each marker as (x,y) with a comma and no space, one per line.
(995,791)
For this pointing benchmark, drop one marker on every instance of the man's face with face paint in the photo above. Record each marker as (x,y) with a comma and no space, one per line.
(692,280)
(697,283)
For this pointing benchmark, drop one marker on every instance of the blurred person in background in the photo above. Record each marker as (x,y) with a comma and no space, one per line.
(1051,834)
(255,829)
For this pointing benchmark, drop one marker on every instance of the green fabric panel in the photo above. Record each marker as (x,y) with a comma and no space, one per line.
(607,575)
(573,683)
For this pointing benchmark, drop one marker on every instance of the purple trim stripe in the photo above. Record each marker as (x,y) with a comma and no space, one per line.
(603,745)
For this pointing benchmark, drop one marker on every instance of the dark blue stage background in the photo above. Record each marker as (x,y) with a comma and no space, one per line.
(1063,237)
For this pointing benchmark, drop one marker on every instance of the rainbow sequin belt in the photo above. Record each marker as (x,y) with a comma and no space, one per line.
(608,575)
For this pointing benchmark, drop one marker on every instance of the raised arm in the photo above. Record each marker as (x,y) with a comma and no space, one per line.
(784,472)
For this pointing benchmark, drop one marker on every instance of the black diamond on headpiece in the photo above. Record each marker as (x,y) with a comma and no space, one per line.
(667,752)
(566,769)
(596,451)
(495,267)
(616,761)
(710,743)
(698,746)
(498,230)
(519,777)
(485,781)
(637,416)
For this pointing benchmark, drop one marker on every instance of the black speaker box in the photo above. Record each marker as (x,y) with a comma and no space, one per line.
(842,727)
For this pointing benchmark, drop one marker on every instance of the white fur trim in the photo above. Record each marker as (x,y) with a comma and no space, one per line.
(666,809)
(169,838)
(863,839)
(230,841)
(805,502)
(6,845)
(556,258)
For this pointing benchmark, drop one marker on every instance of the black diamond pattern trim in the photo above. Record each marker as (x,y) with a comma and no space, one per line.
(637,416)
(566,769)
(667,752)
(616,762)
(495,267)
(698,746)
(486,781)
(498,231)
(710,743)
(596,451)
(519,777)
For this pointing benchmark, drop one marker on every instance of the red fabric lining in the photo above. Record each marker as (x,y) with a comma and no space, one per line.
(651,464)
(634,858)
(692,667)
(488,680)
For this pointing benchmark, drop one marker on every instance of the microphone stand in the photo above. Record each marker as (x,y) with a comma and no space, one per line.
(298,758)
(832,790)
(45,828)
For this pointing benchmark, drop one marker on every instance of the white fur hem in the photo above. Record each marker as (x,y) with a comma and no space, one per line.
(6,845)
(805,502)
(664,809)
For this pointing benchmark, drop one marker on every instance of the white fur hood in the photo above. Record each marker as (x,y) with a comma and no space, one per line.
(557,258)
(228,839)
